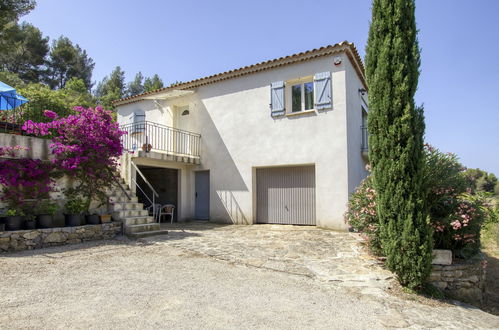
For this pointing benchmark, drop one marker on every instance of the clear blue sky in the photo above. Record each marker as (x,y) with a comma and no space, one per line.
(184,40)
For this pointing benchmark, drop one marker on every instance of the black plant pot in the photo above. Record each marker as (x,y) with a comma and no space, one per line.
(14,223)
(73,220)
(2,226)
(92,219)
(30,224)
(45,221)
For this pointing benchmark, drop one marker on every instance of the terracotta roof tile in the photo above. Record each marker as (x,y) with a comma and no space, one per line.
(345,46)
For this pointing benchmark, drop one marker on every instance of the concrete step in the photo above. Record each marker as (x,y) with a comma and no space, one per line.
(140,220)
(141,228)
(127,206)
(148,233)
(130,213)
(120,193)
(123,199)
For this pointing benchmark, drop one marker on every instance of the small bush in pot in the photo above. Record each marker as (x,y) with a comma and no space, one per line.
(92,219)
(46,210)
(75,206)
(14,220)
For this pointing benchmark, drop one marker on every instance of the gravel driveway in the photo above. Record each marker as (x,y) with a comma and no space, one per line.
(184,281)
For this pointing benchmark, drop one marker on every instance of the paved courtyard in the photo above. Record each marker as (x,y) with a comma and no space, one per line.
(212,276)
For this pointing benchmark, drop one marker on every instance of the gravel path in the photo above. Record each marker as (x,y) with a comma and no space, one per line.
(123,284)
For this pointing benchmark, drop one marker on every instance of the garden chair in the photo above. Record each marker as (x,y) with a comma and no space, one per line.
(167,209)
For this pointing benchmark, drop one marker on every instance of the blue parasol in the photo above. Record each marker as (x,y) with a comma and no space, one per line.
(9,99)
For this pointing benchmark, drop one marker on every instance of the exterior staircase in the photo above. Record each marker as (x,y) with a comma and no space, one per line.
(137,222)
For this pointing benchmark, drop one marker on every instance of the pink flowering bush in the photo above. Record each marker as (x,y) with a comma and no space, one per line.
(86,146)
(23,179)
(456,214)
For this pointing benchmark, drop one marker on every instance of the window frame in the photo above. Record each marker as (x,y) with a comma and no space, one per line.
(289,94)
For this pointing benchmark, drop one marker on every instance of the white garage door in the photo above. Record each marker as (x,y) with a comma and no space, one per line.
(286,195)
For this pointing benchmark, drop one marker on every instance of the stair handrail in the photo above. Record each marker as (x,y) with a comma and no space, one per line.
(154,193)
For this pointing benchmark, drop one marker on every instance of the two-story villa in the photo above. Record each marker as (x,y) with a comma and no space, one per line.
(282,141)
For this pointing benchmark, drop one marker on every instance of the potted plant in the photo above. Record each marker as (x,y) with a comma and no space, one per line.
(104,218)
(75,206)
(14,219)
(92,219)
(46,210)
(30,222)
(2,221)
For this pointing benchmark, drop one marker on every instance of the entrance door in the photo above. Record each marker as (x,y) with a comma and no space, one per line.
(183,140)
(202,211)
(286,195)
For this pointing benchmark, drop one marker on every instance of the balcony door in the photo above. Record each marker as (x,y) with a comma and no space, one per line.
(183,140)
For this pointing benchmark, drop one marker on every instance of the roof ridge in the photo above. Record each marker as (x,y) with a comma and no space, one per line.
(354,57)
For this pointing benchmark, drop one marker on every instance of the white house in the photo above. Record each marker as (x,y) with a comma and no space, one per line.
(280,141)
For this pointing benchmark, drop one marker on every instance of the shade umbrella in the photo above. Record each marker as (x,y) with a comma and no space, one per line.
(9,99)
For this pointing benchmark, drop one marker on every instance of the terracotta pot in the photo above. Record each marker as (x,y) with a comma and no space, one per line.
(105,218)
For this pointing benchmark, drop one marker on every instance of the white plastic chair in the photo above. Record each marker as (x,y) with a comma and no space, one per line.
(167,209)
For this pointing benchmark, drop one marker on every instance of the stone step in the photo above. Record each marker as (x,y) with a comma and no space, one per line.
(148,233)
(119,193)
(130,213)
(123,199)
(127,206)
(140,220)
(130,229)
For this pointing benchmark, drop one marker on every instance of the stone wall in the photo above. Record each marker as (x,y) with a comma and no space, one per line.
(39,238)
(464,281)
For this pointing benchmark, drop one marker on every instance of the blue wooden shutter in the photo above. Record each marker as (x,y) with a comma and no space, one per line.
(138,120)
(277,98)
(322,90)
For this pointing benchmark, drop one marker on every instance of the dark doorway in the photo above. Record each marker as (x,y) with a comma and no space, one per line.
(164,181)
(202,211)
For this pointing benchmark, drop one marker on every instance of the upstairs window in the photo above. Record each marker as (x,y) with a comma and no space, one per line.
(302,96)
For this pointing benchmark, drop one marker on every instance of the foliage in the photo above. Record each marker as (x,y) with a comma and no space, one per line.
(75,204)
(136,86)
(41,97)
(46,206)
(396,129)
(86,146)
(11,10)
(480,180)
(14,213)
(456,215)
(153,83)
(68,61)
(23,50)
(362,217)
(111,88)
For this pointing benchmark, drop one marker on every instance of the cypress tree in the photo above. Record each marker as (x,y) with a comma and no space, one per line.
(396,128)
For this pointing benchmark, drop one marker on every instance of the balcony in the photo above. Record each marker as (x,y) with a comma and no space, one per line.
(152,140)
(364,147)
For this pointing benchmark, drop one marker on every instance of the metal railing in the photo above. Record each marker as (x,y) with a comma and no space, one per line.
(149,136)
(155,194)
(365,137)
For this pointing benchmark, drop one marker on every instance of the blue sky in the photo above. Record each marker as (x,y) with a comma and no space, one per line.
(184,40)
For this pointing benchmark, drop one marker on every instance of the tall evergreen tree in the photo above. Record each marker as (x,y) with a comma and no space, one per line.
(111,88)
(68,61)
(396,128)
(23,51)
(153,83)
(11,10)
(136,86)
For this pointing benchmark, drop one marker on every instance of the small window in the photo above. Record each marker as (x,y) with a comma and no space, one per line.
(185,113)
(302,96)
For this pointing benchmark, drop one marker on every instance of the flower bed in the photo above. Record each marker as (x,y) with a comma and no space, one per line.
(39,238)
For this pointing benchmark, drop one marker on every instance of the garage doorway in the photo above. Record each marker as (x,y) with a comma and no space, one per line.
(286,195)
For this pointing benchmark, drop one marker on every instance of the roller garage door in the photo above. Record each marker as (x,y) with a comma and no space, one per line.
(286,195)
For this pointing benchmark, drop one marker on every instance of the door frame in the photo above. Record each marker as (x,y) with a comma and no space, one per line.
(208,195)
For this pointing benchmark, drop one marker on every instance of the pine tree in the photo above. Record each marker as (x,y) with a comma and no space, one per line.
(396,128)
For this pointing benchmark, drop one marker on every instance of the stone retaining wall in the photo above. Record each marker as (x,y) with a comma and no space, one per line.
(19,240)
(464,281)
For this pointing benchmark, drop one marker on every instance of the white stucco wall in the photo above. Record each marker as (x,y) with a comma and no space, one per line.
(238,135)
